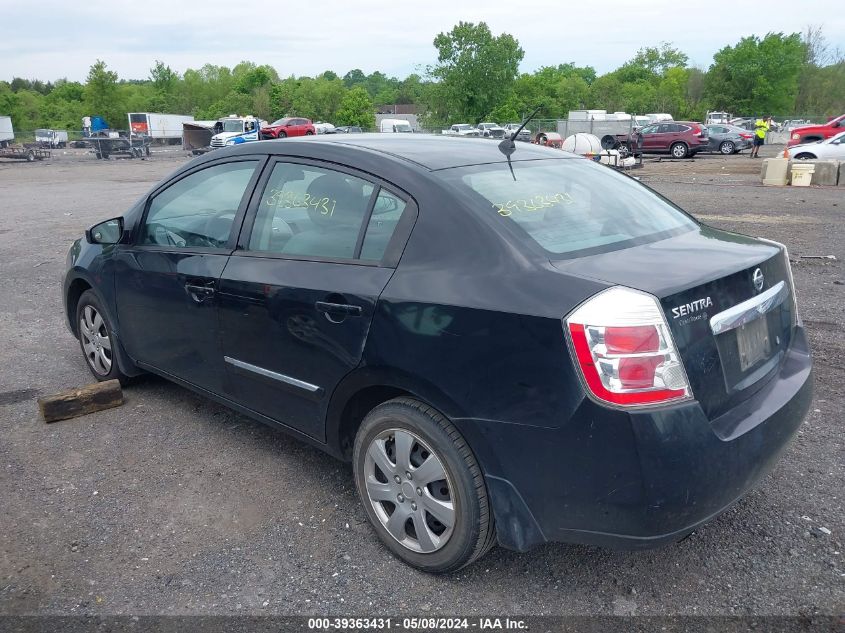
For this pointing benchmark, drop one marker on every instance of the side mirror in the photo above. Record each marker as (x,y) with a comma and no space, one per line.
(108,232)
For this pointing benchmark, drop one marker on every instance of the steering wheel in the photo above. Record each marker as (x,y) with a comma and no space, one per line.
(208,228)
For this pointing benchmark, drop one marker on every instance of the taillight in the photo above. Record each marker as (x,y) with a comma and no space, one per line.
(796,319)
(746,136)
(624,349)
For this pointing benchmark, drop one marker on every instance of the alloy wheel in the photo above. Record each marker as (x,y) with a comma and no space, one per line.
(727,147)
(96,342)
(409,489)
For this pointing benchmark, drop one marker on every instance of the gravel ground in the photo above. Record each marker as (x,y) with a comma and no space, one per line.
(173,504)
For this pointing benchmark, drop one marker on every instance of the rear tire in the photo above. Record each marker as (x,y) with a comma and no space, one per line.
(309,133)
(679,150)
(410,462)
(727,148)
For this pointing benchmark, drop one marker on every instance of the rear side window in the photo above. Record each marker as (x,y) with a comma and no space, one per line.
(569,206)
(198,211)
(387,212)
(309,211)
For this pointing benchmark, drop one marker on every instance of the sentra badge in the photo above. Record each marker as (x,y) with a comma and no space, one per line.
(692,307)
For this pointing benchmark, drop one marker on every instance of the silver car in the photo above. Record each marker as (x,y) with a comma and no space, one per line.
(833,147)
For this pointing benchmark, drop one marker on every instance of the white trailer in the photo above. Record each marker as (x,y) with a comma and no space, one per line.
(165,127)
(7,133)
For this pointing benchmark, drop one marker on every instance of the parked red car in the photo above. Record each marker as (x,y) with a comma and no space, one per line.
(288,126)
(678,138)
(813,133)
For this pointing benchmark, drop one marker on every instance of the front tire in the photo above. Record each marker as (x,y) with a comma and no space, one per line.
(421,487)
(282,134)
(805,156)
(95,339)
(679,150)
(727,148)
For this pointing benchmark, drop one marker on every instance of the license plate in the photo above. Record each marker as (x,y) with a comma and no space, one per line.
(752,340)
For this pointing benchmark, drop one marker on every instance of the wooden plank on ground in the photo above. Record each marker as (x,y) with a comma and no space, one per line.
(76,402)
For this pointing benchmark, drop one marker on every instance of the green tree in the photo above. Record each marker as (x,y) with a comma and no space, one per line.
(606,93)
(659,60)
(757,76)
(64,107)
(164,82)
(821,85)
(354,77)
(255,78)
(356,108)
(474,69)
(102,96)
(671,93)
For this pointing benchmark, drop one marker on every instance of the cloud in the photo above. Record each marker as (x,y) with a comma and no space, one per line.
(63,39)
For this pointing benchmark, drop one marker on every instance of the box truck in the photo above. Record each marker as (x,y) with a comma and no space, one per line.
(6,132)
(51,138)
(163,127)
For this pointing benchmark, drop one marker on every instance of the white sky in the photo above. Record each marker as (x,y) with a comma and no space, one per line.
(51,39)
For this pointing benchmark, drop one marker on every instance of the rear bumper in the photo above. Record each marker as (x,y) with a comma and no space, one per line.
(636,480)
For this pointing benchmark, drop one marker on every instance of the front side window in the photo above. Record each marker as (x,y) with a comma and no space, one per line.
(569,206)
(198,211)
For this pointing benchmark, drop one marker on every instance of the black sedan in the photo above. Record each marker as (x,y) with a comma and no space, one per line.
(511,345)
(728,139)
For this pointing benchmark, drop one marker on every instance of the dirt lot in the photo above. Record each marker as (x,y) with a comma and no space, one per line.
(173,504)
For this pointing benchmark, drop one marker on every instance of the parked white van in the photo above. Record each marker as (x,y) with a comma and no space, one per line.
(395,125)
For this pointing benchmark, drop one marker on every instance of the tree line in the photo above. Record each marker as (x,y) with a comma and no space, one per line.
(476,78)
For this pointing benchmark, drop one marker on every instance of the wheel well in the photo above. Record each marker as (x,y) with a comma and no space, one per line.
(77,287)
(356,410)
(811,139)
(805,156)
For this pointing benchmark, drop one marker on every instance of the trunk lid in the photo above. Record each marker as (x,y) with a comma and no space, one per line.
(700,275)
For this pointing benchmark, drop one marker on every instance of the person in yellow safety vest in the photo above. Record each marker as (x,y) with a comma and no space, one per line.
(761,128)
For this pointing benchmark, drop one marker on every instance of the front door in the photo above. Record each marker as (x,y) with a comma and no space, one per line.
(296,300)
(166,280)
(651,138)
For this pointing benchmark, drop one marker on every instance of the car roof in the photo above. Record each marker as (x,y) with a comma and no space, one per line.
(430,151)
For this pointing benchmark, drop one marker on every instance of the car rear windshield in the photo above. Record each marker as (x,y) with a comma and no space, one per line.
(569,206)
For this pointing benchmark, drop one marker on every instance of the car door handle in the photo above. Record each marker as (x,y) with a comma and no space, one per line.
(199,292)
(338,308)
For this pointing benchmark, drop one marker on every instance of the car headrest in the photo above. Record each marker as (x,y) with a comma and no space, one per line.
(339,204)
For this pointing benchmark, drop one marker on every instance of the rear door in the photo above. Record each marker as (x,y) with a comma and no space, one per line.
(166,280)
(673,132)
(297,297)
